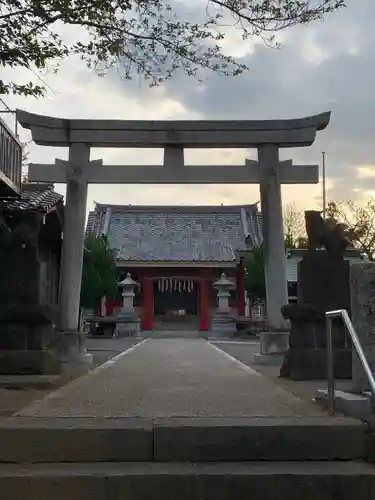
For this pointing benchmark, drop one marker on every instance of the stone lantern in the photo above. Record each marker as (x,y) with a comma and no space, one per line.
(127,321)
(223,322)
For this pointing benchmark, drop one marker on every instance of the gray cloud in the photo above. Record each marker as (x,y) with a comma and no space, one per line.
(324,66)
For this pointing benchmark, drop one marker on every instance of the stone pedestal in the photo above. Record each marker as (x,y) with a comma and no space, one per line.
(28,341)
(223,322)
(362,291)
(274,342)
(127,325)
(72,353)
(323,285)
(223,325)
(128,322)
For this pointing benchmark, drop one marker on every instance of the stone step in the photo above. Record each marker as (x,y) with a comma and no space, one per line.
(169,481)
(37,439)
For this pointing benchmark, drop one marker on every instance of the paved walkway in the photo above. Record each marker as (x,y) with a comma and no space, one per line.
(172,378)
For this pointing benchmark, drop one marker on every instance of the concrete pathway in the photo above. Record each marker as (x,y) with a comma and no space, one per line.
(172,378)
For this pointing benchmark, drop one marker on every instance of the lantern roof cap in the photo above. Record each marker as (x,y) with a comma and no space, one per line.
(223,282)
(128,281)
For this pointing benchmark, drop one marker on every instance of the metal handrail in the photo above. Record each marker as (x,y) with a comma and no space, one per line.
(343,314)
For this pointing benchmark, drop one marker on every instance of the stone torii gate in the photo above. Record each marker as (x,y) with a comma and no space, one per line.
(267,136)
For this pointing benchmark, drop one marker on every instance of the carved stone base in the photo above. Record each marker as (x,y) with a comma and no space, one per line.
(224,325)
(127,325)
(27,340)
(14,362)
(311,364)
(274,342)
(27,327)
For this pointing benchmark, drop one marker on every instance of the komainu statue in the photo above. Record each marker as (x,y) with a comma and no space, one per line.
(323,285)
(329,234)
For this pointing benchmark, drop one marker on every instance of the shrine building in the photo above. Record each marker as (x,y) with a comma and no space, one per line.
(176,253)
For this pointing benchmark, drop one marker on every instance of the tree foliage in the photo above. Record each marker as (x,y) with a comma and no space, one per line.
(294,237)
(255,284)
(360,221)
(98,273)
(152,38)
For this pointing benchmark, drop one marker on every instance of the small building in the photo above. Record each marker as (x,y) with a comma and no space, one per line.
(34,218)
(31,227)
(295,255)
(176,253)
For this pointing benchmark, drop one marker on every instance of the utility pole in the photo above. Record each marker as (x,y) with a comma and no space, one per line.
(324,183)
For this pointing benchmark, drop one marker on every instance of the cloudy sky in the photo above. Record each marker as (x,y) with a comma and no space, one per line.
(325,66)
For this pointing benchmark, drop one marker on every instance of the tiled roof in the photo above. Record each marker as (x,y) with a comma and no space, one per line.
(36,196)
(183,234)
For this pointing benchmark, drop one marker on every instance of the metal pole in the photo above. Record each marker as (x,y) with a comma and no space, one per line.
(324,182)
(330,368)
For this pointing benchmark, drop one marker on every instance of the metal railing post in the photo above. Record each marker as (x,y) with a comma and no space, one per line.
(330,368)
(343,314)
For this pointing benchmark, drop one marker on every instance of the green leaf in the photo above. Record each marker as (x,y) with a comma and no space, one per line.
(98,273)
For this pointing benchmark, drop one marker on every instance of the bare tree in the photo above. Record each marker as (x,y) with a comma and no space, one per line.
(294,227)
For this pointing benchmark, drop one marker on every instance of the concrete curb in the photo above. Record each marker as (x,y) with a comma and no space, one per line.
(64,439)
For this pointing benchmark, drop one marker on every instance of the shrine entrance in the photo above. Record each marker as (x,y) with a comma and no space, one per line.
(175,304)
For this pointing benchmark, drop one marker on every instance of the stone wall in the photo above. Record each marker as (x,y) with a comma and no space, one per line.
(362,292)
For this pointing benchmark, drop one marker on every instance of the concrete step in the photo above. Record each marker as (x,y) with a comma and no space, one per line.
(37,439)
(168,481)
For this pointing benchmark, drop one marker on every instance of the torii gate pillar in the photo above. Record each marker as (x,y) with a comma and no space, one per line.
(73,239)
(273,237)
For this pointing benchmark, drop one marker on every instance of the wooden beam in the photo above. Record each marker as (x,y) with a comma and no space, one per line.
(202,174)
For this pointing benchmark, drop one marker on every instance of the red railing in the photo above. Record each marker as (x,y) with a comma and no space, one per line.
(10,162)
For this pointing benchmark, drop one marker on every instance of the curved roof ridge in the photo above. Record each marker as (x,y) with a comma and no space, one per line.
(176,208)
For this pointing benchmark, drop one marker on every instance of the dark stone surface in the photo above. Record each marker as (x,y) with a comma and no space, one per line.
(31,362)
(19,279)
(362,284)
(323,285)
(323,282)
(26,326)
(311,363)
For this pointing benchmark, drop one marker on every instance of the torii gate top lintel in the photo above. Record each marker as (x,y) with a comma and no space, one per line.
(50,131)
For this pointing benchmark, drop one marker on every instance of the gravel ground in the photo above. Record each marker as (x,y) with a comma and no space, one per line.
(173,378)
(13,400)
(244,352)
